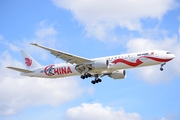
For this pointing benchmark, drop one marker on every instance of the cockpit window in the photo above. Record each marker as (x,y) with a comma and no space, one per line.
(168,52)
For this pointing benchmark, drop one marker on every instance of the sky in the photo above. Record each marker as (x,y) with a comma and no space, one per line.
(89,28)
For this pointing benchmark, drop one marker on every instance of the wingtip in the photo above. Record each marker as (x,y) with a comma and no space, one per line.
(34,44)
(9,67)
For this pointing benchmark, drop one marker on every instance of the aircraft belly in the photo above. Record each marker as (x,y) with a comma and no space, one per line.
(100,71)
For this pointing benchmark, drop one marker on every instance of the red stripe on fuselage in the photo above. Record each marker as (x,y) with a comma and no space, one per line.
(133,64)
(138,62)
(157,59)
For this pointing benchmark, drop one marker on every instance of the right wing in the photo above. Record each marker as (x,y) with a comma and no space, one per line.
(20,69)
(65,56)
(82,63)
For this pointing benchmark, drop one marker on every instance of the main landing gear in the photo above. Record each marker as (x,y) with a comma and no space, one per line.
(86,75)
(161,68)
(97,79)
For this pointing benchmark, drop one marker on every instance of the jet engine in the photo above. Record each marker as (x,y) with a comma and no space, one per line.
(100,64)
(118,74)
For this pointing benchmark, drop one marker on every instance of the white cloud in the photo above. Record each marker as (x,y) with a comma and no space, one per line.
(153,74)
(1,37)
(46,29)
(178,18)
(10,45)
(164,118)
(100,17)
(45,35)
(46,32)
(179,32)
(18,92)
(96,111)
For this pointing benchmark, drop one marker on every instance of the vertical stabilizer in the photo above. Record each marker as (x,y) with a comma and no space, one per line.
(29,61)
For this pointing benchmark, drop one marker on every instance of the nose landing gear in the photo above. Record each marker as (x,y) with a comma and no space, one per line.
(161,68)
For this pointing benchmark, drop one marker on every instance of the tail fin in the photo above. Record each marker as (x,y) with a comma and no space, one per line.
(29,61)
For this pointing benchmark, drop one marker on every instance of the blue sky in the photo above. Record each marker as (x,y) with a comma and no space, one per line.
(89,29)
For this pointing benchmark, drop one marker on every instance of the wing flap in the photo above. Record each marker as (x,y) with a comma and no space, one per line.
(64,56)
(20,69)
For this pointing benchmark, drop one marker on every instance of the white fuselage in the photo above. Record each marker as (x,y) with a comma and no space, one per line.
(117,62)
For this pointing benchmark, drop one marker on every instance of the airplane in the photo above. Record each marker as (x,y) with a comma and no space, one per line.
(112,66)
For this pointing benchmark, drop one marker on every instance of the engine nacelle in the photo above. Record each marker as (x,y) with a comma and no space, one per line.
(118,74)
(100,64)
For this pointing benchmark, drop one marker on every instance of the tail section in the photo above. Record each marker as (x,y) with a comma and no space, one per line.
(29,61)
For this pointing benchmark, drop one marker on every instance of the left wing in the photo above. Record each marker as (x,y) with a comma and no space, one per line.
(65,56)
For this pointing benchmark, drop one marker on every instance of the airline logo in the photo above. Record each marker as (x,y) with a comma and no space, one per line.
(50,70)
(28,62)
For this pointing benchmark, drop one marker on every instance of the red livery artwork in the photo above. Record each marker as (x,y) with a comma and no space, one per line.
(138,62)
(133,64)
(50,70)
(28,62)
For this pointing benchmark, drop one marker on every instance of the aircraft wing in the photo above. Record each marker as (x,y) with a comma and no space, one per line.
(65,56)
(20,69)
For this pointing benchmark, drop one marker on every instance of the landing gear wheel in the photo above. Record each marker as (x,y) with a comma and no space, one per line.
(89,75)
(93,82)
(99,80)
(86,76)
(96,81)
(82,77)
(161,69)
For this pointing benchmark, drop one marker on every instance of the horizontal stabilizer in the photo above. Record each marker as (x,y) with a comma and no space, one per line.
(20,69)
